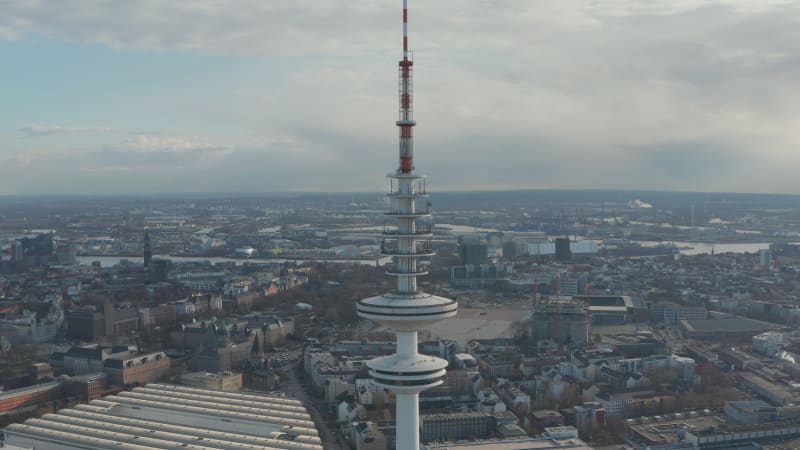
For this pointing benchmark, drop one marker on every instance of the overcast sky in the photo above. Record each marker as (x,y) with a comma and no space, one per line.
(275,95)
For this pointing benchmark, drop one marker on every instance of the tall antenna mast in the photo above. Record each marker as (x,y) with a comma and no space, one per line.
(405,29)
(406,119)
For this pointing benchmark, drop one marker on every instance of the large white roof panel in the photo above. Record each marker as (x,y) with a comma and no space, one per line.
(164,417)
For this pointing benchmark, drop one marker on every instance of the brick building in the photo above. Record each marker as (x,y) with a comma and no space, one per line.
(31,395)
(221,381)
(158,316)
(139,369)
(87,387)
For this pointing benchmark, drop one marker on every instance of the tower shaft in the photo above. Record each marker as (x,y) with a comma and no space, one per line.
(405,310)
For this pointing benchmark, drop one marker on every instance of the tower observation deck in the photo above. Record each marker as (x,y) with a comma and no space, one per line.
(406,309)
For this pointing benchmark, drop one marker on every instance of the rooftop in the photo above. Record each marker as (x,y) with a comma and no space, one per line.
(514,444)
(121,422)
(727,324)
(666,431)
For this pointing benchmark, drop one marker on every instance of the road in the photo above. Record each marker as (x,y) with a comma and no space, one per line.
(294,388)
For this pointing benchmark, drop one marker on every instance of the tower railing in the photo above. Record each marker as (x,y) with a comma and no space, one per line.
(422,230)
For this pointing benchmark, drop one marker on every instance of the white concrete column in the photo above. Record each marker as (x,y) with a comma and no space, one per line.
(408,421)
(406,342)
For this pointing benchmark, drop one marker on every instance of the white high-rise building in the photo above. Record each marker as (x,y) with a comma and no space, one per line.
(765,258)
(406,309)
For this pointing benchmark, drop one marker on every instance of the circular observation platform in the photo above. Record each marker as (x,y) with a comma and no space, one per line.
(407,195)
(407,214)
(422,252)
(407,373)
(405,176)
(407,312)
(426,232)
(395,272)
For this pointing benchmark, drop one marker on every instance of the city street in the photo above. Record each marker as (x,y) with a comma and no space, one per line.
(294,388)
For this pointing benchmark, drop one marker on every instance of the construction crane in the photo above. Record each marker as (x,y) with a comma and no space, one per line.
(588,313)
(558,306)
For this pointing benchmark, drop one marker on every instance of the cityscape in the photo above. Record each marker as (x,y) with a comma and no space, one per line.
(420,317)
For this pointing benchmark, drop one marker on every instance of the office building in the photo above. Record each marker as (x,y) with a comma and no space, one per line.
(472,251)
(86,325)
(672,313)
(751,412)
(564,321)
(484,276)
(448,427)
(563,252)
(510,250)
(765,258)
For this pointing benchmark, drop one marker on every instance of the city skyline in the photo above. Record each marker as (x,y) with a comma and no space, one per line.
(179,98)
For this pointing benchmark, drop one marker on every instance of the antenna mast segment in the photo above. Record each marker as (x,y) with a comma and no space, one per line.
(406,119)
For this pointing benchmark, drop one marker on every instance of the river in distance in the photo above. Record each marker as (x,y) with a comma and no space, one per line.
(109,261)
(686,248)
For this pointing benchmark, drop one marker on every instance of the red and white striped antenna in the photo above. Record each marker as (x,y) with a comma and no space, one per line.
(406,119)
(405,29)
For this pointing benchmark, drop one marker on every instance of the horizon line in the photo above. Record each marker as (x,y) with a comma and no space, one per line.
(334,193)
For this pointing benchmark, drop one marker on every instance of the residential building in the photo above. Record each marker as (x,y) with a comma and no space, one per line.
(589,415)
(367,436)
(158,316)
(27,329)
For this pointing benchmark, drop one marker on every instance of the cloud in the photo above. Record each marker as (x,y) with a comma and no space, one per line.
(325,26)
(686,160)
(17,161)
(661,94)
(51,130)
(150,143)
(106,169)
(281,26)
